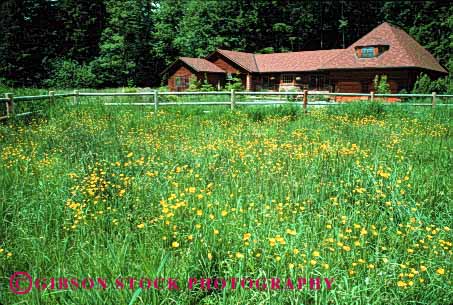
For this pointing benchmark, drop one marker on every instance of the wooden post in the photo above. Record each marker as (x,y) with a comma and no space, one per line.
(305,100)
(75,98)
(9,104)
(232,100)
(156,101)
(372,96)
(52,97)
(248,82)
(434,99)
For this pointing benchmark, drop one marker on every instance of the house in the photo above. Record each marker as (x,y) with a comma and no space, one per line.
(386,50)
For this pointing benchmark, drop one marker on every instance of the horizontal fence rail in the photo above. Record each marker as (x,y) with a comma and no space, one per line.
(299,98)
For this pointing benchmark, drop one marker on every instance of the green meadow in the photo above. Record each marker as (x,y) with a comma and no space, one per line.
(360,194)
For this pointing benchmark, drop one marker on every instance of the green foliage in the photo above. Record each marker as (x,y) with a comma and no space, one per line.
(194,83)
(67,73)
(292,98)
(381,85)
(425,84)
(267,50)
(4,82)
(205,86)
(235,83)
(258,114)
(359,109)
(130,90)
(198,85)
(163,89)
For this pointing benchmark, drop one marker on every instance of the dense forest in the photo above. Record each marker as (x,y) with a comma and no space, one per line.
(110,43)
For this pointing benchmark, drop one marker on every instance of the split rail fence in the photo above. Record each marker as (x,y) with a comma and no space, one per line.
(300,98)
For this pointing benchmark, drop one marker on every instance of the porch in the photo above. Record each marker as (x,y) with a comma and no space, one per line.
(288,81)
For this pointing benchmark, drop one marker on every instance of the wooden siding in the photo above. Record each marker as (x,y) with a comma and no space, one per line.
(181,71)
(230,67)
(226,66)
(214,79)
(348,86)
(361,81)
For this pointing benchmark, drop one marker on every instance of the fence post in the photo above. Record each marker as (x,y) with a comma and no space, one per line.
(232,99)
(434,99)
(305,100)
(52,97)
(9,104)
(156,101)
(75,98)
(372,96)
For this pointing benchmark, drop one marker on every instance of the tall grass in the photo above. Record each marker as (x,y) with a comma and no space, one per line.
(358,194)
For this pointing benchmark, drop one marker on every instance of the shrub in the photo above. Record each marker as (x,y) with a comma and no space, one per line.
(291,98)
(235,83)
(206,86)
(67,73)
(5,83)
(194,84)
(425,84)
(381,85)
(130,90)
(163,89)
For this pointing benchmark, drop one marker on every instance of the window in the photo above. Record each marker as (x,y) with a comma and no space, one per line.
(367,52)
(270,82)
(181,82)
(287,79)
(371,51)
(317,82)
(229,76)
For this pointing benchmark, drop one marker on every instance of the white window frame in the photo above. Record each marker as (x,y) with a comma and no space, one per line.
(284,78)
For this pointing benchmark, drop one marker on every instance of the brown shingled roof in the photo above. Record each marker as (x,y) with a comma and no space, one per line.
(280,62)
(243,59)
(403,51)
(201,65)
(294,61)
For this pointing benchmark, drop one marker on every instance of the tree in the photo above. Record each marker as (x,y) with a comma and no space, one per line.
(125,48)
(82,25)
(27,41)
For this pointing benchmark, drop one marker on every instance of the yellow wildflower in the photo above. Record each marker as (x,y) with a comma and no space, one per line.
(291,232)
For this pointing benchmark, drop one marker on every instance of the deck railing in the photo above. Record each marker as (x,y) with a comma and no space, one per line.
(234,100)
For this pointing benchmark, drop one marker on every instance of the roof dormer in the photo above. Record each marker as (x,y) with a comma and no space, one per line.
(370,51)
